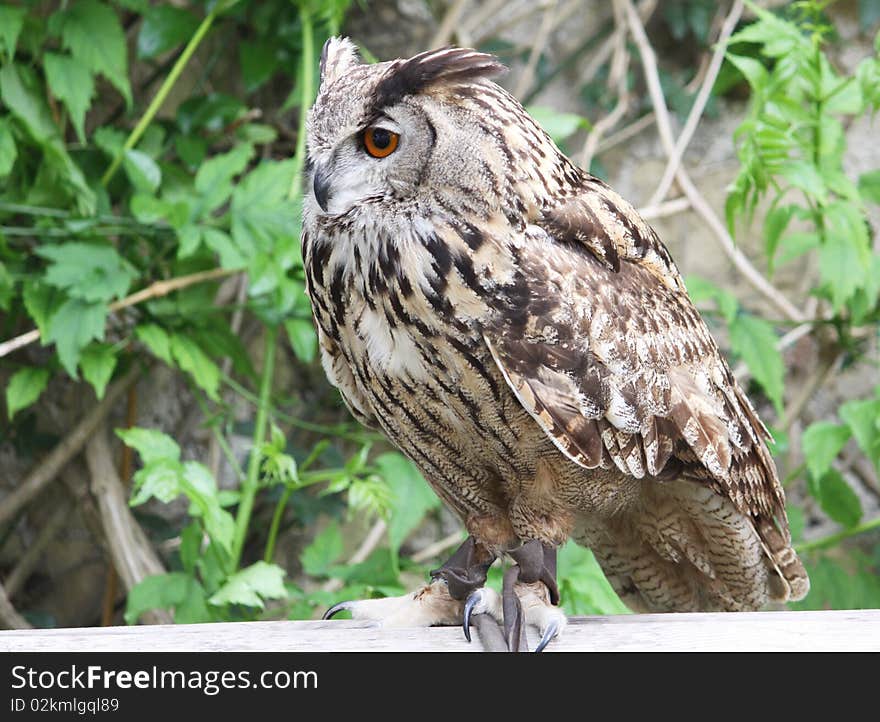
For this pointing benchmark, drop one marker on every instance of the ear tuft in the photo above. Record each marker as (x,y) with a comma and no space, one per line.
(447,67)
(337,56)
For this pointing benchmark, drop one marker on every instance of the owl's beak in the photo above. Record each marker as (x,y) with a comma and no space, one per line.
(321,185)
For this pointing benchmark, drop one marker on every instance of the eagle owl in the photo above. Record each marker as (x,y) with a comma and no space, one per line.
(520,333)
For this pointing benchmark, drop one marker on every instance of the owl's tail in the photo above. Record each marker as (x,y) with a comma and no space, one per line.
(685,548)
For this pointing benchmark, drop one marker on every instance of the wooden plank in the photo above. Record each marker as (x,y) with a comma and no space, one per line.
(855,630)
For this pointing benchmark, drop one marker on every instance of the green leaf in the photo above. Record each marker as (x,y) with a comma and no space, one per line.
(88,271)
(754,340)
(753,71)
(189,239)
(97,363)
(72,327)
(869,186)
(558,126)
(845,257)
(24,388)
(164,27)
(262,214)
(838,500)
(160,591)
(584,588)
(806,177)
(156,339)
(151,444)
(214,178)
(8,151)
(73,84)
(94,36)
(775,223)
(41,302)
(160,479)
(190,546)
(195,362)
(821,443)
(303,339)
(11,23)
(200,488)
(795,245)
(220,242)
(142,171)
(863,418)
(325,549)
(7,288)
(191,149)
(252,585)
(258,62)
(22,94)
(412,497)
(701,289)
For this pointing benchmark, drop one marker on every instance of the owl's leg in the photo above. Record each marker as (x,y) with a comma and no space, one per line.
(530,595)
(438,603)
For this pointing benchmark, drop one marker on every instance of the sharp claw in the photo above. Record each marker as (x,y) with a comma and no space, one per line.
(549,633)
(335,609)
(472,601)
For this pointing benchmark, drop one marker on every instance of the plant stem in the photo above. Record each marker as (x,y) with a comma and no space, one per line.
(163,92)
(249,488)
(307,92)
(833,539)
(285,497)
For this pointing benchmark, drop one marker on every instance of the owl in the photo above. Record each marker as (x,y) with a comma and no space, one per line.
(514,327)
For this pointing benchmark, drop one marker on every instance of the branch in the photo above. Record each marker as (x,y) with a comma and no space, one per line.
(66,449)
(438,547)
(9,616)
(548,22)
(26,563)
(700,205)
(447,26)
(699,104)
(133,557)
(155,290)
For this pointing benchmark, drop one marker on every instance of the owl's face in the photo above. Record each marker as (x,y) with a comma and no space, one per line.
(389,135)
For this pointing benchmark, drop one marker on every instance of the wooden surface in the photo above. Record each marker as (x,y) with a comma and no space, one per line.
(789,631)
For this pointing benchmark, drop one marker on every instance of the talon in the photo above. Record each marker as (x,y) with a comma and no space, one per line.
(335,609)
(513,611)
(549,633)
(472,601)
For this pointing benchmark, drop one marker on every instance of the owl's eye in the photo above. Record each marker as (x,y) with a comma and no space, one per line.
(380,142)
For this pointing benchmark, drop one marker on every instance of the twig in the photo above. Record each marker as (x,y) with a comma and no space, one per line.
(125,463)
(662,210)
(826,365)
(627,132)
(133,557)
(617,75)
(58,458)
(447,26)
(437,548)
(548,22)
(26,563)
(9,616)
(370,542)
(154,290)
(834,539)
(700,205)
(699,104)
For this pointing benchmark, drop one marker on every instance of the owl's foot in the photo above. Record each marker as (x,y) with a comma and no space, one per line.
(439,603)
(530,597)
(429,606)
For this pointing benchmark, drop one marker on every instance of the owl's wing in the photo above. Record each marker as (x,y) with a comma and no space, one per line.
(611,358)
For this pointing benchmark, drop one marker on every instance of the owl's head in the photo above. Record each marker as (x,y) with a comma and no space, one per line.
(391,131)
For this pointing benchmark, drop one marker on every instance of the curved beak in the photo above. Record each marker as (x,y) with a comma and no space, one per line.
(321,185)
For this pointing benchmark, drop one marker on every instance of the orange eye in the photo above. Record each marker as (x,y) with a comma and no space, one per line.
(380,142)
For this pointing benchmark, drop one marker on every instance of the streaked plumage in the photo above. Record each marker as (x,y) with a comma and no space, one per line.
(516,329)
